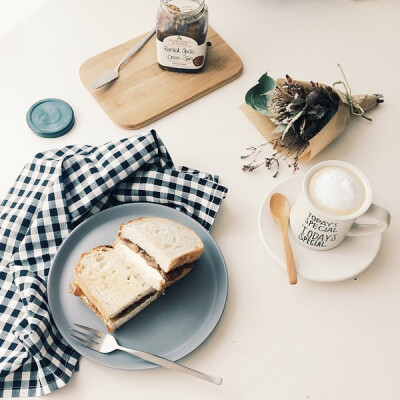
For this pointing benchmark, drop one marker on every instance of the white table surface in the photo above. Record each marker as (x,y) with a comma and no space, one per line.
(274,341)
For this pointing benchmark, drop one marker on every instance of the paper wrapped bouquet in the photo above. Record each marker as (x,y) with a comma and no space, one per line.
(299,119)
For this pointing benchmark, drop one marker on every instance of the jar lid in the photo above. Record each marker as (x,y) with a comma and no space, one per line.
(50,118)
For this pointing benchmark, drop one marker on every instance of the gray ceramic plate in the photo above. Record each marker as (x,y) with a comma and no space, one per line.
(173,325)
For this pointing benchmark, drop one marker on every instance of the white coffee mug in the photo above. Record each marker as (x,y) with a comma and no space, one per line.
(335,197)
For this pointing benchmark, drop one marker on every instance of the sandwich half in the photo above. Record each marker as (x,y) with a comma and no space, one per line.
(162,250)
(110,287)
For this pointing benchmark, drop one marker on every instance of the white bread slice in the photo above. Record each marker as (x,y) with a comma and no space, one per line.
(149,274)
(107,284)
(153,276)
(169,243)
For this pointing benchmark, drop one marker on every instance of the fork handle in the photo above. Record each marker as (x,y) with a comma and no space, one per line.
(163,362)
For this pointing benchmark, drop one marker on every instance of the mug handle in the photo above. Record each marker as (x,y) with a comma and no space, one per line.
(379,214)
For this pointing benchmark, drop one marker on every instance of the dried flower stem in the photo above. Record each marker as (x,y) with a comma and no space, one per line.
(283,150)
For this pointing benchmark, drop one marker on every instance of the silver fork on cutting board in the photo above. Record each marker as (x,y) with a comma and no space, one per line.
(106,343)
(113,74)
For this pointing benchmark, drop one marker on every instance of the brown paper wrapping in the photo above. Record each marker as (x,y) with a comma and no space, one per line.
(328,134)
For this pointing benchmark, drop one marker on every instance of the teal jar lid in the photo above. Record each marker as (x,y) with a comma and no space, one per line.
(50,118)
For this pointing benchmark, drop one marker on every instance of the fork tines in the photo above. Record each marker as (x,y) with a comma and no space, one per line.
(95,331)
(87,336)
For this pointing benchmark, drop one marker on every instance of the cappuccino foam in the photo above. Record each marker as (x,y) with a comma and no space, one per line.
(336,190)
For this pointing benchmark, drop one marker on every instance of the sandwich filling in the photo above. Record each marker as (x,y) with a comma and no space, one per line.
(167,276)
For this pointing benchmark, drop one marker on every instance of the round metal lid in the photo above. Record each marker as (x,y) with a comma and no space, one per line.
(50,118)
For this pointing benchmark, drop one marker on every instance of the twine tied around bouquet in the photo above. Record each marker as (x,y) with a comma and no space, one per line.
(354,102)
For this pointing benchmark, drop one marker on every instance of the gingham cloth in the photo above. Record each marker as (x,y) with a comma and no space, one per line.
(52,195)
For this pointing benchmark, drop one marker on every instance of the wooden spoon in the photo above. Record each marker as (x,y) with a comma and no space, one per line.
(280,210)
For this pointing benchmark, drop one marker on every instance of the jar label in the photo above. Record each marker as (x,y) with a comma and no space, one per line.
(181,52)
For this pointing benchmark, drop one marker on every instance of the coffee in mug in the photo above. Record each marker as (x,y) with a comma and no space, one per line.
(335,194)
(336,190)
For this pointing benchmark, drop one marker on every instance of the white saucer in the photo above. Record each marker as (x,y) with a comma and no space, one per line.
(347,260)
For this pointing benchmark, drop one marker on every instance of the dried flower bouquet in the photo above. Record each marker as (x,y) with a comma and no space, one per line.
(299,119)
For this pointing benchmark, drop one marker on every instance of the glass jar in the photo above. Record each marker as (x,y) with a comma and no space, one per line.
(182,35)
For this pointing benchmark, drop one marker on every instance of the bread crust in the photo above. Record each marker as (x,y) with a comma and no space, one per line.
(101,312)
(185,259)
(93,308)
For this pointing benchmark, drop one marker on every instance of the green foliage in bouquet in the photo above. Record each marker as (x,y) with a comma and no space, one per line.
(257,97)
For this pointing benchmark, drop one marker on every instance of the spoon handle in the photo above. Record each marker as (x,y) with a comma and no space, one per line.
(290,265)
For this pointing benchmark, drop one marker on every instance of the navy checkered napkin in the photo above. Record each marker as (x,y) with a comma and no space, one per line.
(52,195)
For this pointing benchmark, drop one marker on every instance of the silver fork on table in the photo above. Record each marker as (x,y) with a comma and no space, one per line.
(106,343)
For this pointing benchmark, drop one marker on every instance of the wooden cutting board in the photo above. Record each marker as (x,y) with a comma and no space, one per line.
(144,92)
